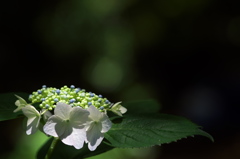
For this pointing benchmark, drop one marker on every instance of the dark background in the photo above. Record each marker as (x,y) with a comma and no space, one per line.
(184,54)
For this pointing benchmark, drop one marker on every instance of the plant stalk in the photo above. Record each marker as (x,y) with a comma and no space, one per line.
(51,148)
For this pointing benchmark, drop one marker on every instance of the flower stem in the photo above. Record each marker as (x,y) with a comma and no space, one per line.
(51,148)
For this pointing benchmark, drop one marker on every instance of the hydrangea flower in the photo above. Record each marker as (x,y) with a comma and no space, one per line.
(68,123)
(79,116)
(33,118)
(118,109)
(20,103)
(97,125)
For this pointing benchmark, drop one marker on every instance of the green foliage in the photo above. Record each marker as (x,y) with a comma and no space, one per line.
(7,105)
(142,126)
(136,131)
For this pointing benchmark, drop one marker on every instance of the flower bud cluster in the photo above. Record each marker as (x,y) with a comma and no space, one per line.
(48,97)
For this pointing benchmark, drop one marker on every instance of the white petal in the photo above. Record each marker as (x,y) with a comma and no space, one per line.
(30,111)
(94,146)
(33,119)
(123,109)
(74,137)
(46,115)
(118,109)
(94,137)
(55,126)
(32,126)
(62,110)
(78,116)
(30,120)
(116,104)
(106,123)
(18,109)
(117,112)
(20,103)
(95,114)
(20,100)
(17,103)
(89,125)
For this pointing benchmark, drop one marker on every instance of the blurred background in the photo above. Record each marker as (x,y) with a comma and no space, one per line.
(184,54)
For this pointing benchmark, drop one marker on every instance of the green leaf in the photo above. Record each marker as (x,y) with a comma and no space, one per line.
(7,105)
(142,106)
(154,129)
(62,151)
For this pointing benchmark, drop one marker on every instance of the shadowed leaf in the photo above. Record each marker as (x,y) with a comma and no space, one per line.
(136,131)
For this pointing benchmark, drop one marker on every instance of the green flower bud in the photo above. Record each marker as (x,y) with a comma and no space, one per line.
(48,97)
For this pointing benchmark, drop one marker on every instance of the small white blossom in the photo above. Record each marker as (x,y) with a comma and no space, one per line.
(118,109)
(33,118)
(97,125)
(45,115)
(67,123)
(20,103)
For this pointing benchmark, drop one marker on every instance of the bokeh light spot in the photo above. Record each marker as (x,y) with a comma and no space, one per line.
(107,75)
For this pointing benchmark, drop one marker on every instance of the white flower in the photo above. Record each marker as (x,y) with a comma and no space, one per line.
(118,109)
(67,123)
(33,119)
(97,125)
(20,103)
(45,115)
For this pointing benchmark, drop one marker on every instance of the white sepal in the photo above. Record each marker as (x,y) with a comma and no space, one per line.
(118,109)
(33,119)
(98,124)
(20,103)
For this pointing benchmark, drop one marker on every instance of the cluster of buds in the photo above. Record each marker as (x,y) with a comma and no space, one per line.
(48,97)
(79,116)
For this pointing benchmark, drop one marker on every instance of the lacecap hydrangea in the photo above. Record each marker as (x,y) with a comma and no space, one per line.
(71,114)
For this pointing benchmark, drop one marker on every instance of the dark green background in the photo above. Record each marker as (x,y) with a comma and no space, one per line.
(182,53)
